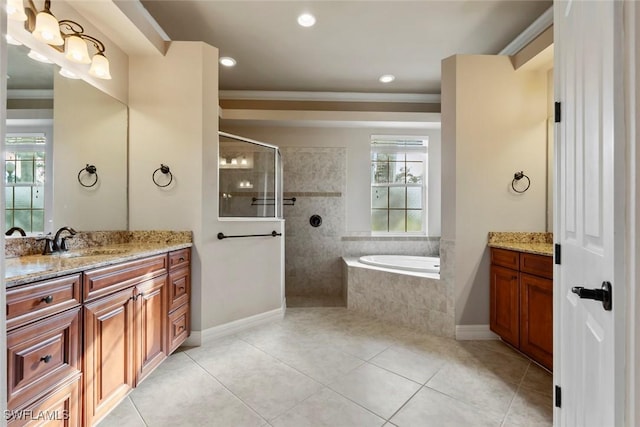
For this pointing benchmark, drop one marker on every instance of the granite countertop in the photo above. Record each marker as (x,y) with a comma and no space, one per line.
(529,242)
(30,268)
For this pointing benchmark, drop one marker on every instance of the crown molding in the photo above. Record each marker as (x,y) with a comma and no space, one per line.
(538,26)
(329,96)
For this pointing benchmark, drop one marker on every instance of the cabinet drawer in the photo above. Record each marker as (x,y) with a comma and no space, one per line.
(179,283)
(180,258)
(505,258)
(540,265)
(179,327)
(37,300)
(61,407)
(40,355)
(106,280)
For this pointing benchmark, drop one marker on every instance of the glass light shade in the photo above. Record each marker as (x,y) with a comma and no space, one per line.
(100,67)
(15,10)
(76,50)
(47,29)
(39,57)
(68,74)
(234,161)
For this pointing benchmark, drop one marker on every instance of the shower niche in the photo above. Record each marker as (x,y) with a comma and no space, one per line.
(249,177)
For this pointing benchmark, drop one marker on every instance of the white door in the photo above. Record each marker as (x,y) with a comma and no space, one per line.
(589,220)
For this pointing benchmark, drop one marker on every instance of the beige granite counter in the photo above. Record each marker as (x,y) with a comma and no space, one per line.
(530,242)
(29,268)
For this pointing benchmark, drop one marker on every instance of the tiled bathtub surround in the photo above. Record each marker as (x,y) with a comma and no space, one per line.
(356,246)
(23,246)
(416,300)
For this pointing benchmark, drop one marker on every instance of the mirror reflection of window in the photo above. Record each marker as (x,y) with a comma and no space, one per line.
(27,161)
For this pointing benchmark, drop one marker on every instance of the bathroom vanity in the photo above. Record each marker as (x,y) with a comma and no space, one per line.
(521,295)
(84,328)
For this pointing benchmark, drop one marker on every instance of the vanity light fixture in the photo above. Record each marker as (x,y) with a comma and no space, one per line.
(227,61)
(306,20)
(15,10)
(66,36)
(223,161)
(243,162)
(234,161)
(387,78)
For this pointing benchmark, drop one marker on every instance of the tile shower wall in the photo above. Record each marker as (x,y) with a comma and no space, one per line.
(316,177)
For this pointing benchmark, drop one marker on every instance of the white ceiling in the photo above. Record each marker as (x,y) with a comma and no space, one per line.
(352,43)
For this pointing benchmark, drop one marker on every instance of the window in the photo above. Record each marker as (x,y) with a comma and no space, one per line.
(398,184)
(26,160)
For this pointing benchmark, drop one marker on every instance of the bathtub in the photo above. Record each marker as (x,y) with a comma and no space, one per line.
(421,264)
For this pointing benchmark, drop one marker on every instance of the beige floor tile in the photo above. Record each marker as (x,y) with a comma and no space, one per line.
(378,390)
(191,398)
(538,379)
(415,365)
(429,408)
(327,408)
(506,365)
(530,409)
(124,415)
(473,383)
(264,383)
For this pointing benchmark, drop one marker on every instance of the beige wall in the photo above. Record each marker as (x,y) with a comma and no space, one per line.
(89,127)
(494,124)
(357,141)
(173,107)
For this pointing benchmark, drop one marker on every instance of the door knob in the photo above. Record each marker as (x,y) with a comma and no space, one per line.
(603,294)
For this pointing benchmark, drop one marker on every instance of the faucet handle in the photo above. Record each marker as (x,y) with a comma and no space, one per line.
(63,243)
(48,246)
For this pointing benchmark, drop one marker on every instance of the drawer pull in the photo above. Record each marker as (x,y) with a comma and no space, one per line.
(46,359)
(180,288)
(181,259)
(180,328)
(48,299)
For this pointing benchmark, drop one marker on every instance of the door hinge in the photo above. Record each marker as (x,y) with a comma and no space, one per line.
(557,112)
(558,397)
(557,252)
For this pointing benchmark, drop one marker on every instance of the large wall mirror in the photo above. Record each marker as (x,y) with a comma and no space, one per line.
(56,127)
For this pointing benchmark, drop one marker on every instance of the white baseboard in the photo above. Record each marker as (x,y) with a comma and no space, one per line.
(474,332)
(198,337)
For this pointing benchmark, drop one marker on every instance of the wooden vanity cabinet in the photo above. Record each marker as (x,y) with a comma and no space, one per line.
(44,351)
(179,315)
(521,293)
(78,344)
(124,332)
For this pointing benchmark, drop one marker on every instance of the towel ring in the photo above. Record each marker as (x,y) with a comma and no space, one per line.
(516,178)
(91,170)
(165,170)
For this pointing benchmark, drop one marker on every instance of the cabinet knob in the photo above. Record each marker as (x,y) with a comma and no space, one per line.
(46,359)
(48,299)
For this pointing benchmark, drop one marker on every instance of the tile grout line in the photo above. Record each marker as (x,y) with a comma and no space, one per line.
(506,414)
(227,388)
(135,407)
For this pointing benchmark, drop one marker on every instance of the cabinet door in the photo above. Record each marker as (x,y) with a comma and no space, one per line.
(108,353)
(536,321)
(151,342)
(504,304)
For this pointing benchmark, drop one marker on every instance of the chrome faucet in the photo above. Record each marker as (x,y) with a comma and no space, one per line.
(10,231)
(60,243)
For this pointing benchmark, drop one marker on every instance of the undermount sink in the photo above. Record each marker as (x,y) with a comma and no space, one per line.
(94,252)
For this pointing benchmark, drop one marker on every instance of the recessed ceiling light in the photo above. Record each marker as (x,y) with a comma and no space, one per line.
(227,61)
(387,78)
(306,20)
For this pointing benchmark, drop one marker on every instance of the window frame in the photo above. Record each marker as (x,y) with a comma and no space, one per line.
(393,144)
